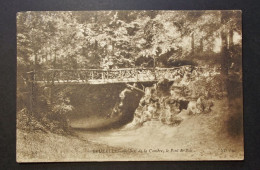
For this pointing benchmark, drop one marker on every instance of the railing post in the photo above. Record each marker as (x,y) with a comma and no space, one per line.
(120,74)
(154,70)
(53,76)
(136,72)
(102,75)
(92,75)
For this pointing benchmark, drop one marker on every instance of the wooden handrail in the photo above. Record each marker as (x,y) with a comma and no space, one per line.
(118,69)
(107,75)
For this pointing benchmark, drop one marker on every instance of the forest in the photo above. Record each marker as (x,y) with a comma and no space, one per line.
(123,39)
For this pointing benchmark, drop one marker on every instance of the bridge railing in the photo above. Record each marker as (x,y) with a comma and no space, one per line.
(108,75)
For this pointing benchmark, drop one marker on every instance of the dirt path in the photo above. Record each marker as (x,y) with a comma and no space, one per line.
(198,137)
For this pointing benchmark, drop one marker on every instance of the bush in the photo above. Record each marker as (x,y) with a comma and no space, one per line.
(57,118)
(26,121)
(46,115)
(207,86)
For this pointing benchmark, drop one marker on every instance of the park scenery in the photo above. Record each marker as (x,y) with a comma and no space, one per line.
(129,86)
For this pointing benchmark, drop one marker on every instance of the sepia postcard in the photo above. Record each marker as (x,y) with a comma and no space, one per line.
(129,86)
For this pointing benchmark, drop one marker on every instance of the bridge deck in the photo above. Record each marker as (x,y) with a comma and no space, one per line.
(108,81)
(100,76)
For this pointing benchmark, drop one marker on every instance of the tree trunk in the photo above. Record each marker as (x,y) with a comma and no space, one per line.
(224,48)
(192,44)
(230,38)
(224,54)
(113,47)
(230,47)
(201,45)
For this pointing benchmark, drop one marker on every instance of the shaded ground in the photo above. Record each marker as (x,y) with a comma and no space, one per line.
(42,147)
(198,137)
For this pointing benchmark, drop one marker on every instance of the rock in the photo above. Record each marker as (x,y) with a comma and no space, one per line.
(146,116)
(163,86)
(192,108)
(207,106)
(151,109)
(123,94)
(174,120)
(142,102)
(200,106)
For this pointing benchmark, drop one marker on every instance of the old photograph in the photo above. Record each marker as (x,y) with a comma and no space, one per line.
(129,86)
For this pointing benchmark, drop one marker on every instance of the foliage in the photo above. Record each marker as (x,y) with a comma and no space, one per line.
(209,87)
(44,114)
(56,118)
(26,121)
(90,39)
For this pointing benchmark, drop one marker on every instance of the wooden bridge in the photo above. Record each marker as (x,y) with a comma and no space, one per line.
(105,76)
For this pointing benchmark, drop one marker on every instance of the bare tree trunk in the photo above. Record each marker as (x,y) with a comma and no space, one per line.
(224,54)
(230,47)
(113,47)
(230,38)
(224,47)
(201,45)
(192,44)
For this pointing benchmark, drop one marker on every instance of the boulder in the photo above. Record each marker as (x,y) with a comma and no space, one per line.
(192,108)
(202,105)
(174,120)
(163,86)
